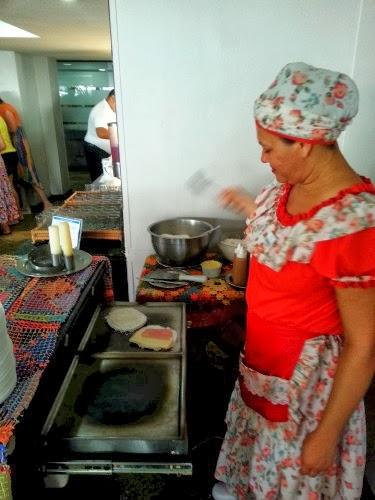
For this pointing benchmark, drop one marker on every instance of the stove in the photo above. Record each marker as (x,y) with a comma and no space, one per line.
(121,408)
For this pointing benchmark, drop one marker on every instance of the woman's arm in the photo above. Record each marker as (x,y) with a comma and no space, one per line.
(354,373)
(102,132)
(10,121)
(237,200)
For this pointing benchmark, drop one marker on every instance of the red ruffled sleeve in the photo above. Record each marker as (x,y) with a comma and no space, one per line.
(348,261)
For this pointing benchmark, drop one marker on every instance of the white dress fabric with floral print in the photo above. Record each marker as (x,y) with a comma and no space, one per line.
(259,458)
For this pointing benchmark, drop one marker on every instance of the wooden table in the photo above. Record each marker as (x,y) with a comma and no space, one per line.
(209,304)
(101,212)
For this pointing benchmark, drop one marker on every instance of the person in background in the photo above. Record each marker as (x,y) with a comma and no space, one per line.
(96,142)
(295,421)
(8,207)
(27,175)
(9,155)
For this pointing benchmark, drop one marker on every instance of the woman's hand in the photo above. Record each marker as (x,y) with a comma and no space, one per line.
(318,453)
(237,200)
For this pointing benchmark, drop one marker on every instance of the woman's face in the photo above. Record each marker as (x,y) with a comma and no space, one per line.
(283,158)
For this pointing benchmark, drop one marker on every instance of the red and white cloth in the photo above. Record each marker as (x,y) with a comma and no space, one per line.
(306,103)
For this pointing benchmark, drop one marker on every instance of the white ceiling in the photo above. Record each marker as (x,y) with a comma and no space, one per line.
(76,29)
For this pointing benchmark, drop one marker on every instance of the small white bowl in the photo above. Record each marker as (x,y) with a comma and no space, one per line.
(211,268)
(228,246)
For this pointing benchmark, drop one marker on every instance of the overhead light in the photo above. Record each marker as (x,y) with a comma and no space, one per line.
(67,64)
(10,31)
(101,69)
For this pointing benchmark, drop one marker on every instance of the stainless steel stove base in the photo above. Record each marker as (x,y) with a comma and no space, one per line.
(109,468)
(74,443)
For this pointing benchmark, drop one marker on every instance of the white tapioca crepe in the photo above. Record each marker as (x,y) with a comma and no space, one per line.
(125,319)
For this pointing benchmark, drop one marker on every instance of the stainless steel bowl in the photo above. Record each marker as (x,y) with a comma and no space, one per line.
(173,250)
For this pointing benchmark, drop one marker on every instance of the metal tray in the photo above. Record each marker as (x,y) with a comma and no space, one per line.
(67,431)
(229,280)
(81,261)
(100,340)
(162,432)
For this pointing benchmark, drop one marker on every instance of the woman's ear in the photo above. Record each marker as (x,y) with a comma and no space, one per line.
(304,149)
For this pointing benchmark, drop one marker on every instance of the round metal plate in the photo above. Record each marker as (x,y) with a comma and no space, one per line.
(228,279)
(81,261)
(190,266)
(40,259)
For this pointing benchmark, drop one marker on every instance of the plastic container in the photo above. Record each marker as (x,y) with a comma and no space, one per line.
(239,270)
(113,141)
(228,246)
(211,268)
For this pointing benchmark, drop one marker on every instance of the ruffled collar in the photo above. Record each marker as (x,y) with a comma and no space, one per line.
(287,219)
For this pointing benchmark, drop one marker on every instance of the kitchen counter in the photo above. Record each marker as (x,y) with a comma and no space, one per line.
(43,320)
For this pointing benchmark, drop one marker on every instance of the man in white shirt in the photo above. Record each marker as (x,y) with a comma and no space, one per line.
(96,142)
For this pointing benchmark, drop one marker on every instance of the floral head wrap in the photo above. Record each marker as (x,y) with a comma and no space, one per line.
(307,104)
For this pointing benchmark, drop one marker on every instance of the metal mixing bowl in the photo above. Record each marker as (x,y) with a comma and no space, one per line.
(174,251)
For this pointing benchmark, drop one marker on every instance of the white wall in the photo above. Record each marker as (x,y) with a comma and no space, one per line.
(52,128)
(186,76)
(359,143)
(30,84)
(9,84)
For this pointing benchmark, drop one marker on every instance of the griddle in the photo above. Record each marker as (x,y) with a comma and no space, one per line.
(87,425)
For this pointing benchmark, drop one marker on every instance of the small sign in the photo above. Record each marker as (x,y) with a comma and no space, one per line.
(75,226)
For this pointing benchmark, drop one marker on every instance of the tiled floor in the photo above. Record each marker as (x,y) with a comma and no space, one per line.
(78,179)
(19,238)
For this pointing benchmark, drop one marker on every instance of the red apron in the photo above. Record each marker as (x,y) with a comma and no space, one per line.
(273,350)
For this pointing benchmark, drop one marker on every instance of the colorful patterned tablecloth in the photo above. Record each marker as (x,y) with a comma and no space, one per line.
(211,303)
(36,310)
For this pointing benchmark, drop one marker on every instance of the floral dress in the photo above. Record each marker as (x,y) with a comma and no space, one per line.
(26,169)
(8,207)
(293,343)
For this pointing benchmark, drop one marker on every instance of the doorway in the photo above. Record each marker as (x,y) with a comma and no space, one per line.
(82,84)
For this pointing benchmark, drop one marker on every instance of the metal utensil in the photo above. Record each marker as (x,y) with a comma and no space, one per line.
(165,284)
(199,182)
(168,275)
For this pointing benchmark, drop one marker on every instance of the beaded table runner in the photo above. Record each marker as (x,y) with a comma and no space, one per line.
(36,309)
(214,290)
(11,281)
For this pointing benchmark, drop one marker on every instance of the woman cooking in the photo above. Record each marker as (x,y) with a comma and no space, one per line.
(295,422)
